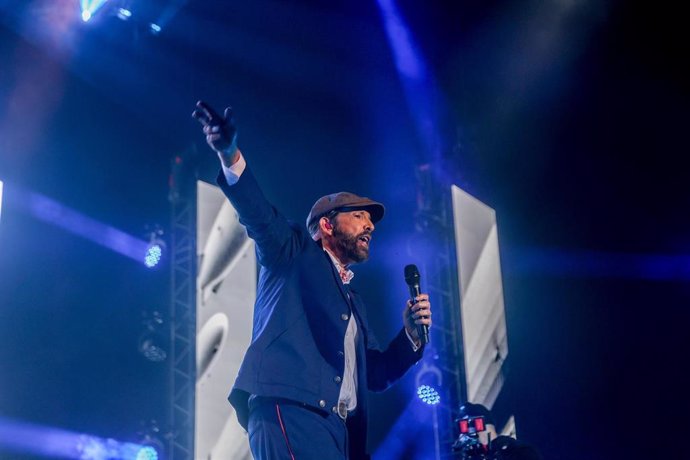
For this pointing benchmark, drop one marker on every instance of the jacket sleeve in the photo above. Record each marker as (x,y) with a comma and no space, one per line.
(276,241)
(385,367)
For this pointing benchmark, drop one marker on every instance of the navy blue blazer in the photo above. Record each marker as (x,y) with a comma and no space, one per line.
(300,317)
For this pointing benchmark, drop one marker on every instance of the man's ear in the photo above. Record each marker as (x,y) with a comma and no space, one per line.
(325,226)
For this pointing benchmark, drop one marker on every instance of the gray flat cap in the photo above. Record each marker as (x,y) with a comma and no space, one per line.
(345,201)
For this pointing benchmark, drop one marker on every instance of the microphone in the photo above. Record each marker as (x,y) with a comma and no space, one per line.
(412,280)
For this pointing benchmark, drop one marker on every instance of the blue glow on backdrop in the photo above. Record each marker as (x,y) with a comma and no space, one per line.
(172,7)
(28,438)
(411,436)
(0,200)
(597,264)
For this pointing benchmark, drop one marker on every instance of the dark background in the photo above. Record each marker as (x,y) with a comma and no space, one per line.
(568,117)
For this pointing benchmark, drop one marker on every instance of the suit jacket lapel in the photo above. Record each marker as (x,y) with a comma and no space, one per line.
(360,310)
(350,296)
(336,278)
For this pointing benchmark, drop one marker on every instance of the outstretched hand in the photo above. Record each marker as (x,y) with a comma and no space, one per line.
(221,133)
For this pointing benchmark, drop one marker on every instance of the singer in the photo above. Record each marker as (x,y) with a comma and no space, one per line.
(301,392)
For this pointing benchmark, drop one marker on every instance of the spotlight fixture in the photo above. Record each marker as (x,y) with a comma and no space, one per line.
(124,14)
(428,394)
(147,453)
(150,445)
(89,8)
(54,442)
(428,383)
(152,341)
(154,252)
(155,248)
(152,351)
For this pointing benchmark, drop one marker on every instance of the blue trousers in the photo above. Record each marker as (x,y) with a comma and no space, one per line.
(280,429)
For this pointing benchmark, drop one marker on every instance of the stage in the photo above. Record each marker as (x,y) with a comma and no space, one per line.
(566,118)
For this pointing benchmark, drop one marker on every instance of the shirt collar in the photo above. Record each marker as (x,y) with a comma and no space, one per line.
(345,273)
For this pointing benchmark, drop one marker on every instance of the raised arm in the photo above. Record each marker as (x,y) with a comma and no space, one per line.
(275,239)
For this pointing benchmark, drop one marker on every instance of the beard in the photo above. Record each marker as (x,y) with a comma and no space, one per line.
(349,246)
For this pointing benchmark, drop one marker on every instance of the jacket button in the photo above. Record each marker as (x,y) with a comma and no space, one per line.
(341,353)
(344,316)
(337,379)
(322,403)
(334,409)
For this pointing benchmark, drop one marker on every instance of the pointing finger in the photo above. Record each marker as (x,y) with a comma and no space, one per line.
(200,117)
(210,114)
(227,114)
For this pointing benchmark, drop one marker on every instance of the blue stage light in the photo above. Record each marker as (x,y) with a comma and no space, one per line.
(155,28)
(155,248)
(147,453)
(89,8)
(428,395)
(124,14)
(153,255)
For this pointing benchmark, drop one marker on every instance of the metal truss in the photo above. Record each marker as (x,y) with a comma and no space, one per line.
(434,225)
(182,372)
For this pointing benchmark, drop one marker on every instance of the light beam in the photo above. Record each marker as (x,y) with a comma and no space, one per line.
(27,438)
(59,215)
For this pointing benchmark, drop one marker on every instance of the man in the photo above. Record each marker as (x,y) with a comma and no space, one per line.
(301,391)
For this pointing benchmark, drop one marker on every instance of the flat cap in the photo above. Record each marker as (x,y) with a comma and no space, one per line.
(342,202)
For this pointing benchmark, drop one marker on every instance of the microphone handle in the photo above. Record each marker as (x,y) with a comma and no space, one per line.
(422,329)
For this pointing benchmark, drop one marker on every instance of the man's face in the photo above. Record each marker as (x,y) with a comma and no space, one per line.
(352,233)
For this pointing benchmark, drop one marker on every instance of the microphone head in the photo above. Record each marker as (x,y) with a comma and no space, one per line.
(411,275)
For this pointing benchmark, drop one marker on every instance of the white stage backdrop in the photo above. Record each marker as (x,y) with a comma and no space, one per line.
(484,332)
(225,294)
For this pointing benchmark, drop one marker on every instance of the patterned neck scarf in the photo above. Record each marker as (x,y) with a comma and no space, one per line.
(345,273)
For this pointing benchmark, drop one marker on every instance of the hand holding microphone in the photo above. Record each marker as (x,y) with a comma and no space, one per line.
(417,314)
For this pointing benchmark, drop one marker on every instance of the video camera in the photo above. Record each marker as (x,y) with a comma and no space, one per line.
(468,444)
